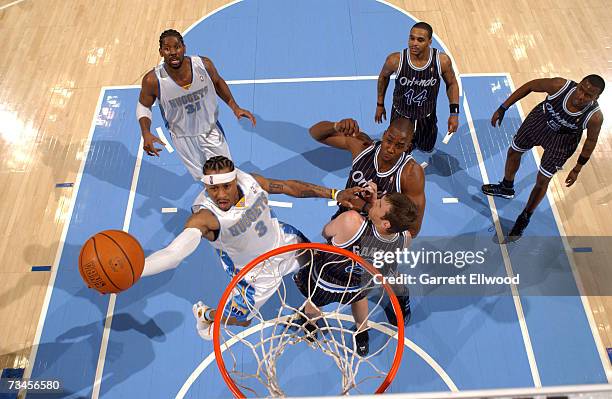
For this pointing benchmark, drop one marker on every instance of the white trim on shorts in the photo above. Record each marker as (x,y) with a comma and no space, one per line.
(545,172)
(517,148)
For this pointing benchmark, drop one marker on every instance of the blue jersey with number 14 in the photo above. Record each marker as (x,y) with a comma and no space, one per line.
(416,88)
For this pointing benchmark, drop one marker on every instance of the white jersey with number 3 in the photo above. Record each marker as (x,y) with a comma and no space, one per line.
(188,111)
(247,230)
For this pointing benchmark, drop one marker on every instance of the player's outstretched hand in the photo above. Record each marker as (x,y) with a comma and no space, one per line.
(453,123)
(347,127)
(239,112)
(380,114)
(571,178)
(370,193)
(149,144)
(349,198)
(498,117)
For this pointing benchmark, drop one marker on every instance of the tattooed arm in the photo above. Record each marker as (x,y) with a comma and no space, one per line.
(294,188)
(348,198)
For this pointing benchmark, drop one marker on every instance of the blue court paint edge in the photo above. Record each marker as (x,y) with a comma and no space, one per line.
(12,373)
(583,249)
(41,268)
(43,321)
(62,185)
(609,350)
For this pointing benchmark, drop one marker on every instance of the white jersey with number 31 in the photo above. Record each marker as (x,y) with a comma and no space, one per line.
(188,111)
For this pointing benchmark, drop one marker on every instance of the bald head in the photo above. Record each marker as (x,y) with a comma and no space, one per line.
(401,127)
(396,140)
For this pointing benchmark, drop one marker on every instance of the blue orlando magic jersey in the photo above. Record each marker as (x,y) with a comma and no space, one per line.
(365,168)
(335,272)
(416,89)
(558,117)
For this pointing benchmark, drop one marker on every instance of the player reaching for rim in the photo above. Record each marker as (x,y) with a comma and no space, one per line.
(233,214)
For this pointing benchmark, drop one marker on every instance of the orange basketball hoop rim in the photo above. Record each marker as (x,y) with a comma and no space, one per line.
(293,247)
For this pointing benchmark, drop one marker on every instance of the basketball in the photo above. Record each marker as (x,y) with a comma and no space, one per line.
(111,261)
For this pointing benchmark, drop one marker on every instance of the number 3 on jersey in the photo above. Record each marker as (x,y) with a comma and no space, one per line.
(261,228)
(191,108)
(419,99)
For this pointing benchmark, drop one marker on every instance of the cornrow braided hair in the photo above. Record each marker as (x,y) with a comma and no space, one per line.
(218,163)
(168,33)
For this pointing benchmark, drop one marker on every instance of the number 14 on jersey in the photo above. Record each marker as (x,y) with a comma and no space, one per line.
(419,99)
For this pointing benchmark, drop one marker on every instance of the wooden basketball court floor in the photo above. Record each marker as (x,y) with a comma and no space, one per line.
(61,54)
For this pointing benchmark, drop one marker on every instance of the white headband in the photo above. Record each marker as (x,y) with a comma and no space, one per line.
(219,178)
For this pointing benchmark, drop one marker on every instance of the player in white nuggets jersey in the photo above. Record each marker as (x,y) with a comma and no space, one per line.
(234,215)
(186,89)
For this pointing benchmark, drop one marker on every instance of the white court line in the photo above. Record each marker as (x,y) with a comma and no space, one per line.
(55,268)
(169,210)
(216,10)
(10,4)
(121,87)
(260,81)
(447,137)
(163,138)
(281,204)
(111,304)
(272,81)
(580,391)
(504,251)
(269,323)
(603,355)
(126,224)
(482,74)
(450,200)
(60,248)
(302,80)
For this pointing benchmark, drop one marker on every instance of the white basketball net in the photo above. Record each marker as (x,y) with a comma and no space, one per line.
(268,338)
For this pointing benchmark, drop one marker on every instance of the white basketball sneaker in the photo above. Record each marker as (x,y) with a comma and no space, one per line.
(204,326)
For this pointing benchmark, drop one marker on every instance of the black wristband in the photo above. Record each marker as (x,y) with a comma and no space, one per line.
(582,160)
(380,104)
(502,108)
(454,108)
